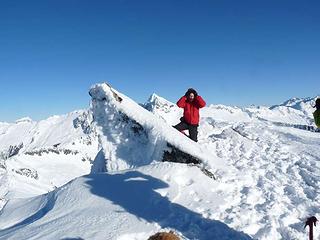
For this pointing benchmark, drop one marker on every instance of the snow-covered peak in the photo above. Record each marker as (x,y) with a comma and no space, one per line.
(36,157)
(24,120)
(157,100)
(266,182)
(163,109)
(295,110)
(154,97)
(156,103)
(225,113)
(294,101)
(302,104)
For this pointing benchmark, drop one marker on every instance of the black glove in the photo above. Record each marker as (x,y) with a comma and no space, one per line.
(191,90)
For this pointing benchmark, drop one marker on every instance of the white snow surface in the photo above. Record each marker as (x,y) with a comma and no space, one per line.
(132,204)
(267,175)
(37,157)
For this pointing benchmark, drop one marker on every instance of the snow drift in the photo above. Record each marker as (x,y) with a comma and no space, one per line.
(131,204)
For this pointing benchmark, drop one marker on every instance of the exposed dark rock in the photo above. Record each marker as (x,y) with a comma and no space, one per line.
(208,173)
(14,150)
(136,127)
(87,159)
(174,154)
(115,95)
(84,122)
(298,126)
(3,164)
(42,151)
(28,173)
(56,145)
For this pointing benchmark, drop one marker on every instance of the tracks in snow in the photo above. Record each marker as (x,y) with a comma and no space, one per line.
(271,184)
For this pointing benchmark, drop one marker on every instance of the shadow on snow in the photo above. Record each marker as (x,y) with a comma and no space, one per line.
(135,193)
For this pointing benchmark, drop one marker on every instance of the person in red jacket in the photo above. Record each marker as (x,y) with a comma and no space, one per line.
(191,102)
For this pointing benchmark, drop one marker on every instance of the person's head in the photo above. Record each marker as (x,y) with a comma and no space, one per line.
(191,94)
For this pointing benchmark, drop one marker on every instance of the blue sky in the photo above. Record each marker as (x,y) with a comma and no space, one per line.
(233,52)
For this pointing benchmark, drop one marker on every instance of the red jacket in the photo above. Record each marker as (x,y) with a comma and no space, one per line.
(191,109)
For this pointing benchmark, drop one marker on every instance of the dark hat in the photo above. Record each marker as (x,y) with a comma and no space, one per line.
(191,90)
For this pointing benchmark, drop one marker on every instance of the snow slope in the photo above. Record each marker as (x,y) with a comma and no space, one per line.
(272,181)
(267,176)
(37,157)
(131,204)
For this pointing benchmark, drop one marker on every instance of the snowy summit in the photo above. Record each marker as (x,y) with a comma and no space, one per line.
(119,170)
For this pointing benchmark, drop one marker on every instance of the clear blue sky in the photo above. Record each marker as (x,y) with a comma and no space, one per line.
(233,52)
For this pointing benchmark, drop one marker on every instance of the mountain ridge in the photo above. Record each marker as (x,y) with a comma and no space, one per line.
(266,181)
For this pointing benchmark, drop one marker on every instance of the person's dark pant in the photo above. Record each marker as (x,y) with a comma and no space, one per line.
(193,130)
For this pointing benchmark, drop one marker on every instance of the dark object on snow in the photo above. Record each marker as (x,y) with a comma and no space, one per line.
(310,222)
(14,150)
(316,116)
(164,236)
(28,173)
(136,127)
(208,173)
(115,95)
(317,103)
(298,126)
(55,150)
(56,145)
(176,155)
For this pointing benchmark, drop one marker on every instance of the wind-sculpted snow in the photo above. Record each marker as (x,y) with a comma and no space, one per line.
(130,204)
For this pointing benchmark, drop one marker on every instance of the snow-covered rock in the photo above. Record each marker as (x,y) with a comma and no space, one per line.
(131,136)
